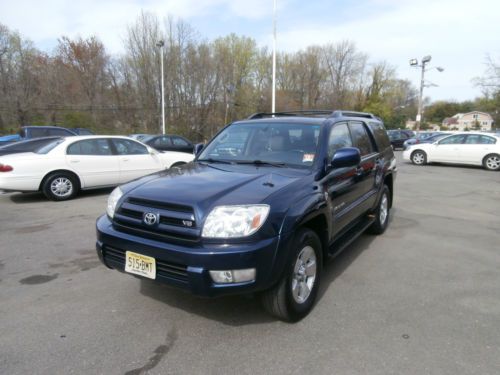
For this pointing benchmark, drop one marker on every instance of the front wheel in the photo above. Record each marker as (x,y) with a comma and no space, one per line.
(294,295)
(492,162)
(419,157)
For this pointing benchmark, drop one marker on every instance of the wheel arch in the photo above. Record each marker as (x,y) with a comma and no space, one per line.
(389,181)
(319,225)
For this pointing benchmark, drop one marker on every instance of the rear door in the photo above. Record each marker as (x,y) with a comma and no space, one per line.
(94,162)
(367,171)
(135,159)
(475,148)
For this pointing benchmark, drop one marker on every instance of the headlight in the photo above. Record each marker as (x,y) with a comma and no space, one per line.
(113,199)
(235,221)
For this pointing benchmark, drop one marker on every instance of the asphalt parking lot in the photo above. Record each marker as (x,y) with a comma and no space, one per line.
(424,298)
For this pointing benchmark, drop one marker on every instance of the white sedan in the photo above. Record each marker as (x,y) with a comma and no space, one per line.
(63,167)
(460,148)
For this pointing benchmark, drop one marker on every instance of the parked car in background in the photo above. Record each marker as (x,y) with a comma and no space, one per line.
(30,145)
(424,138)
(398,137)
(169,143)
(140,137)
(63,167)
(82,131)
(32,131)
(260,215)
(462,148)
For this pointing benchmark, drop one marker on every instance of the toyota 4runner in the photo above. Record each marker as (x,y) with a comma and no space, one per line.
(261,208)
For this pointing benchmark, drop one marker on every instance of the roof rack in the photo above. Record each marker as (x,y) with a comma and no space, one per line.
(354,114)
(318,112)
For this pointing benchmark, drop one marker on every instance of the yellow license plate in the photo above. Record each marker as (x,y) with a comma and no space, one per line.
(139,264)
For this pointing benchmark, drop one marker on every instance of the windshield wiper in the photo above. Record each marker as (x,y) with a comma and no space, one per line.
(211,160)
(261,162)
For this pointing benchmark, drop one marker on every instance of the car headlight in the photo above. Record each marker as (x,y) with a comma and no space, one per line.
(113,199)
(235,221)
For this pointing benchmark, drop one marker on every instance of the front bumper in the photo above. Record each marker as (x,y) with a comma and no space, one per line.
(188,267)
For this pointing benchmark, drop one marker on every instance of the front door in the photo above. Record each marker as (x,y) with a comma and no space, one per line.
(447,150)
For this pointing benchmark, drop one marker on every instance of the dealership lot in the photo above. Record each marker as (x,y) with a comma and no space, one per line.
(422,298)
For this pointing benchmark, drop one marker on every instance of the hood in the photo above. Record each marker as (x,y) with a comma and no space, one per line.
(205,186)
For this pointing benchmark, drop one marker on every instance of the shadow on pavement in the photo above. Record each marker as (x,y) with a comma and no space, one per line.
(22,198)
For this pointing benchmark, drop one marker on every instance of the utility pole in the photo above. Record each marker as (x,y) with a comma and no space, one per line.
(414,63)
(160,44)
(273,106)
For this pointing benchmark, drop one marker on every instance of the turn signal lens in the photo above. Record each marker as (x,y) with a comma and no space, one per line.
(5,168)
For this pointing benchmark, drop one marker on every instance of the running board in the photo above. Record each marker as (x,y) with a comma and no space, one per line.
(350,236)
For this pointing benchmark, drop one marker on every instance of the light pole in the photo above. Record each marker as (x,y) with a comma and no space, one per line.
(414,63)
(160,44)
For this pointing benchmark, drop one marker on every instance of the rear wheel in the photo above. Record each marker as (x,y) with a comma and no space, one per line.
(419,157)
(492,162)
(294,295)
(60,186)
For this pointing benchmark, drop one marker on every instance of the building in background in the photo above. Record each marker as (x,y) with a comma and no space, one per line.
(474,120)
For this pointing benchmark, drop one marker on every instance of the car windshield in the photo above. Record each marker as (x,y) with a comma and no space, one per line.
(48,147)
(274,144)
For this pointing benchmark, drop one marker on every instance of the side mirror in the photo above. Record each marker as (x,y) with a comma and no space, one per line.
(346,157)
(198,148)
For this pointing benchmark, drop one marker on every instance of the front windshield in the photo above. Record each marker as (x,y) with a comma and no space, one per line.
(48,147)
(284,143)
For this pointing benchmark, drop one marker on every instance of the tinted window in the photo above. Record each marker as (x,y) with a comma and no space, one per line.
(61,132)
(89,147)
(339,137)
(128,147)
(179,142)
(360,138)
(479,139)
(454,139)
(38,132)
(161,142)
(380,134)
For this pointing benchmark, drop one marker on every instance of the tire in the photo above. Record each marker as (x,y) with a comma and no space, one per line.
(419,157)
(289,300)
(382,213)
(491,162)
(60,186)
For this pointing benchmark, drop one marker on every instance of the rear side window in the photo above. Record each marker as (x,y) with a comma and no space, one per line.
(360,138)
(89,147)
(40,132)
(129,147)
(380,135)
(61,132)
(479,139)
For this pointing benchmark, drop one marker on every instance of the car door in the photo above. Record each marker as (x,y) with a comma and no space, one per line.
(94,162)
(447,150)
(475,148)
(135,159)
(341,184)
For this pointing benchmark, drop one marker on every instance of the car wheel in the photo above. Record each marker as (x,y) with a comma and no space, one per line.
(381,213)
(419,157)
(60,186)
(492,162)
(294,295)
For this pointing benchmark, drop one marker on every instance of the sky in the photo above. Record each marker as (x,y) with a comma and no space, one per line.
(458,34)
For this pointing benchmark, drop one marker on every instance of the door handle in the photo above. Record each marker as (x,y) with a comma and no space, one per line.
(74,161)
(125,159)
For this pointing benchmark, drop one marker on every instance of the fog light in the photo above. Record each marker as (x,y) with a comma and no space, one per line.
(233,276)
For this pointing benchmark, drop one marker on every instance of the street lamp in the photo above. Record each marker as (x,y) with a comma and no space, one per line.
(160,44)
(414,63)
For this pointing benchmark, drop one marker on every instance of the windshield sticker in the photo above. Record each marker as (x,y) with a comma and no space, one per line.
(307,157)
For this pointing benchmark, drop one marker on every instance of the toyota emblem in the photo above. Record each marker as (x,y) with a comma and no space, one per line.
(150,218)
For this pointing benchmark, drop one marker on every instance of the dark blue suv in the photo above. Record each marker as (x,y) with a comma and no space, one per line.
(261,208)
